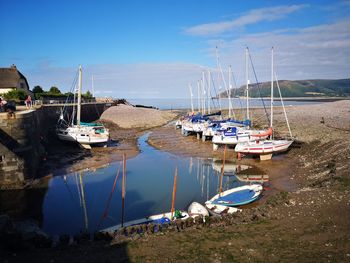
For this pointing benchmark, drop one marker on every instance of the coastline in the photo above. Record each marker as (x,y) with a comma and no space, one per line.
(298,219)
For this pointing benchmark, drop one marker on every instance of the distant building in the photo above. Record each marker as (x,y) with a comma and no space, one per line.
(11,78)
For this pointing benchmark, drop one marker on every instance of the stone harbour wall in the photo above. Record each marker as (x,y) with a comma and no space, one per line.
(20,145)
(22,136)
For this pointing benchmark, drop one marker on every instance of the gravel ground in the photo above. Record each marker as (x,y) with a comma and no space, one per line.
(126,116)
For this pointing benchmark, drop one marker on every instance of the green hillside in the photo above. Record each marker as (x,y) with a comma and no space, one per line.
(299,88)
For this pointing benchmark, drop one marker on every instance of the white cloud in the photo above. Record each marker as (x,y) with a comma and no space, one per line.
(252,17)
(321,51)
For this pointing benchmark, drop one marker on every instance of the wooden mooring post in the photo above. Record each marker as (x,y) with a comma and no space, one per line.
(174,195)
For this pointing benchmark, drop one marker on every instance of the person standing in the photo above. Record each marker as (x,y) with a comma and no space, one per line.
(2,104)
(28,102)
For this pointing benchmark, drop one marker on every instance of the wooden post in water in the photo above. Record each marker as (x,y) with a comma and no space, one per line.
(222,169)
(123,186)
(174,195)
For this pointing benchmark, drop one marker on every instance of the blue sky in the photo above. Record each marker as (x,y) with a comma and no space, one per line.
(148,49)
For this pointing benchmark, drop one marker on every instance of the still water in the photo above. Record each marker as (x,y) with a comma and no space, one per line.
(84,201)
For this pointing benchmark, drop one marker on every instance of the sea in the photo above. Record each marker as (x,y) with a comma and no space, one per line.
(237,103)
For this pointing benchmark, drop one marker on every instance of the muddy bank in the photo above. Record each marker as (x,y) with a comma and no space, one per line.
(307,222)
(64,157)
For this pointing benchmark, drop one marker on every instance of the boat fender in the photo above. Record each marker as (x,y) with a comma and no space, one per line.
(178,214)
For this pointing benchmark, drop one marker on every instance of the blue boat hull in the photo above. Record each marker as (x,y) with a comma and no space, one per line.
(242,197)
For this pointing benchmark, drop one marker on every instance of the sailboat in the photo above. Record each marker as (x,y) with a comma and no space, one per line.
(237,196)
(266,148)
(235,134)
(86,134)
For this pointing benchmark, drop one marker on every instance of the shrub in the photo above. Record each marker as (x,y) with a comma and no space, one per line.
(16,95)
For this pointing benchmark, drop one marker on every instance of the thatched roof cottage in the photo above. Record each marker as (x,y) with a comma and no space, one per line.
(11,78)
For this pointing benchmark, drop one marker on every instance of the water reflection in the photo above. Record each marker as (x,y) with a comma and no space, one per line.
(88,201)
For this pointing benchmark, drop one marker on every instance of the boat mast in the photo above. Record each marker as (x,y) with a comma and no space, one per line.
(190,87)
(209,91)
(218,77)
(199,97)
(229,91)
(204,99)
(247,81)
(79,96)
(271,119)
(92,86)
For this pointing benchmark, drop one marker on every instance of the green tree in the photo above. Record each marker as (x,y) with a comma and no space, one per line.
(16,95)
(54,90)
(38,89)
(88,95)
(68,94)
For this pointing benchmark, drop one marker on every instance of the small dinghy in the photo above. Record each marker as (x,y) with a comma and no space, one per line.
(219,210)
(154,219)
(253,178)
(196,209)
(237,196)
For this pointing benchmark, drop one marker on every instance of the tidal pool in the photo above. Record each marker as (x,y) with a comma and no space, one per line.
(86,202)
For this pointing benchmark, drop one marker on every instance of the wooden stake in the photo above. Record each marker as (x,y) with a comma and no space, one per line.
(174,194)
(222,170)
(123,187)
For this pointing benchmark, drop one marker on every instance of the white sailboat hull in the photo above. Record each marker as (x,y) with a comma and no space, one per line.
(242,136)
(263,147)
(83,135)
(219,210)
(196,209)
(146,220)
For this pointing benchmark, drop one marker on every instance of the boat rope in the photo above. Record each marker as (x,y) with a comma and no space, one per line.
(225,86)
(65,107)
(284,109)
(257,84)
(211,101)
(230,74)
(235,92)
(216,95)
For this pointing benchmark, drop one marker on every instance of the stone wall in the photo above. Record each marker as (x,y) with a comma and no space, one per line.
(20,145)
(21,137)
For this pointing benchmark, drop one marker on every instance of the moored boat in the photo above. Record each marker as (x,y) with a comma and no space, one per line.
(265,149)
(85,134)
(261,178)
(219,210)
(153,219)
(234,135)
(196,209)
(237,196)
